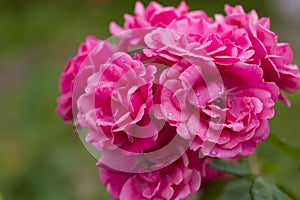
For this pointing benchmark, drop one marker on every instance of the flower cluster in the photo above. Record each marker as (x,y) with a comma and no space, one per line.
(178,89)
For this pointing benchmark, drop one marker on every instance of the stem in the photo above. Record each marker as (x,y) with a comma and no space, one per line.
(253,164)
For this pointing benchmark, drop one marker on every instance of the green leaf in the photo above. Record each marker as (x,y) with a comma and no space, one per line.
(195,197)
(261,190)
(230,167)
(282,145)
(214,189)
(278,194)
(237,190)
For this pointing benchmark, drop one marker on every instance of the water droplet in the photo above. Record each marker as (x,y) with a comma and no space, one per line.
(213,152)
(98,122)
(169,114)
(198,94)
(225,137)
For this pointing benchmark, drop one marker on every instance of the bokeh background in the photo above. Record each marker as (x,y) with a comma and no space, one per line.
(40,157)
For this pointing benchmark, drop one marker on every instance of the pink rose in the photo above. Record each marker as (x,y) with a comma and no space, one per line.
(273,57)
(191,87)
(236,37)
(69,75)
(227,118)
(179,180)
(117,108)
(145,20)
(155,15)
(249,103)
(171,46)
(116,104)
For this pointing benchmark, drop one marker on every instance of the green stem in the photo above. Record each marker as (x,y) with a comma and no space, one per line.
(253,164)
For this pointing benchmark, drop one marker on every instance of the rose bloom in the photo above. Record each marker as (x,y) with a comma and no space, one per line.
(73,67)
(146,19)
(116,106)
(236,37)
(155,15)
(273,57)
(213,83)
(226,118)
(177,181)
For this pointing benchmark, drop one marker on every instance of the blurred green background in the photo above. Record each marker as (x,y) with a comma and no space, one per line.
(40,157)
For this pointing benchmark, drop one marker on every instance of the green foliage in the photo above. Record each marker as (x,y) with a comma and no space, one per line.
(284,146)
(40,157)
(237,190)
(260,190)
(214,189)
(234,168)
(248,186)
(278,194)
